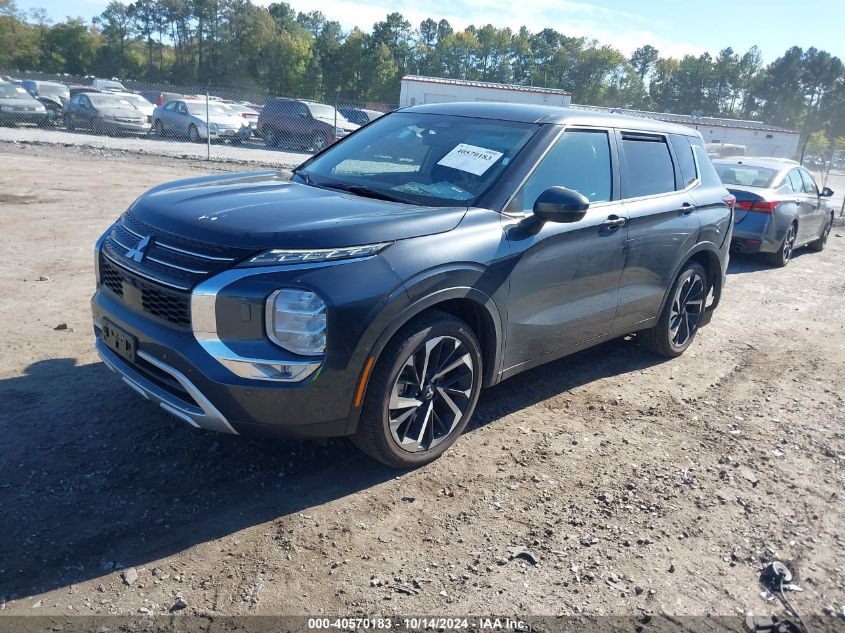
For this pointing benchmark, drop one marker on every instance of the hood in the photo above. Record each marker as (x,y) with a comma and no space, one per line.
(124,113)
(264,210)
(223,119)
(28,104)
(343,124)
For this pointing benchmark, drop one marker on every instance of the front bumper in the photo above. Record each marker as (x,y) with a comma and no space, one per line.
(118,127)
(24,118)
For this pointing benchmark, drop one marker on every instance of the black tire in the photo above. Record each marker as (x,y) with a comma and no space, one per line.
(70,126)
(438,418)
(159,128)
(194,134)
(271,137)
(819,244)
(319,142)
(783,254)
(681,316)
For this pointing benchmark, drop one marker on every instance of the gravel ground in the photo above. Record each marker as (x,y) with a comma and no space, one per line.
(252,152)
(610,482)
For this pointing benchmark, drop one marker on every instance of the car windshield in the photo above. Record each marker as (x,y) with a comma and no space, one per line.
(746,175)
(136,100)
(8,91)
(109,101)
(53,90)
(323,111)
(198,109)
(425,159)
(111,85)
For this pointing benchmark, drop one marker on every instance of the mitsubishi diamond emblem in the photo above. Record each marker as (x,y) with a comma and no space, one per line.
(137,253)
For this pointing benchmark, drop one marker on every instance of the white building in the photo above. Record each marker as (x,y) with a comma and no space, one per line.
(416,90)
(758,138)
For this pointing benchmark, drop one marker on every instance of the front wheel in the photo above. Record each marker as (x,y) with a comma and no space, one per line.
(159,128)
(319,142)
(422,392)
(194,134)
(681,316)
(782,255)
(819,244)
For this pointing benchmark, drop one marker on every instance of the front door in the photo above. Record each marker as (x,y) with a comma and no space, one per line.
(564,281)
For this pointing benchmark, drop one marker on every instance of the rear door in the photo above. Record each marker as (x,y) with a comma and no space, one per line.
(663,224)
(816,216)
(805,206)
(564,281)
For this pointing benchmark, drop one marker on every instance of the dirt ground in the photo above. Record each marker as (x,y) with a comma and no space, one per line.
(634,484)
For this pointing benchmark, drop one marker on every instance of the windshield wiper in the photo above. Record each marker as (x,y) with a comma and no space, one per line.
(361,190)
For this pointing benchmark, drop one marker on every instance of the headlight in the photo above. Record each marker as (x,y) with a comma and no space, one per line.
(40,108)
(214,128)
(297,256)
(296,321)
(6,109)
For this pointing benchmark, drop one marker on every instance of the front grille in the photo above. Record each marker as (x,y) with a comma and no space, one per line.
(163,303)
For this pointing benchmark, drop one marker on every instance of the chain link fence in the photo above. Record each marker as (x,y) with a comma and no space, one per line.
(197,122)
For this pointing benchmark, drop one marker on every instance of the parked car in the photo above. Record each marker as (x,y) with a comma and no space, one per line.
(249,115)
(104,113)
(301,123)
(187,118)
(157,98)
(438,250)
(721,150)
(359,116)
(18,107)
(108,85)
(778,207)
(52,95)
(139,103)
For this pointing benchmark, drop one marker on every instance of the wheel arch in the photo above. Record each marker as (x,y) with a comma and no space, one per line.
(469,304)
(709,257)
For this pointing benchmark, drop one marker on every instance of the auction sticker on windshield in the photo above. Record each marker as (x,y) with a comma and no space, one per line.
(470,158)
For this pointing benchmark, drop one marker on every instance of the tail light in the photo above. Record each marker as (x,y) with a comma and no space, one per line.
(761,206)
(160,100)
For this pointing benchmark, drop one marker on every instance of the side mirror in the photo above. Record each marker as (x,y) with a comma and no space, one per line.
(827,192)
(559,204)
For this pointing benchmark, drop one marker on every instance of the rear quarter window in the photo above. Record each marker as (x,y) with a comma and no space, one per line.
(686,160)
(706,171)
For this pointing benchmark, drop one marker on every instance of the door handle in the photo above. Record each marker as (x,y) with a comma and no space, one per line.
(613,221)
(686,208)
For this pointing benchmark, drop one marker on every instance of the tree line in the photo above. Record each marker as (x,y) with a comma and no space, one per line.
(277,50)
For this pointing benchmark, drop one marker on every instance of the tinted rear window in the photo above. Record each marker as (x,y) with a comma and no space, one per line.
(706,171)
(649,168)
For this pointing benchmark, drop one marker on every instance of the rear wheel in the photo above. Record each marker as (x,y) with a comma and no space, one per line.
(319,142)
(422,392)
(681,316)
(819,244)
(271,137)
(781,257)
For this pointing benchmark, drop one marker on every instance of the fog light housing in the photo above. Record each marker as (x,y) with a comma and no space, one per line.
(295,320)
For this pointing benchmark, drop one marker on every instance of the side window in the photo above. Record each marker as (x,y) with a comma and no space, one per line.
(648,166)
(579,160)
(75,100)
(84,102)
(686,160)
(809,184)
(796,182)
(707,173)
(301,110)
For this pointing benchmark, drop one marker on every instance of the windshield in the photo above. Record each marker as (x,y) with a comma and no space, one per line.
(136,100)
(110,85)
(426,159)
(8,91)
(198,109)
(747,175)
(53,90)
(323,111)
(109,101)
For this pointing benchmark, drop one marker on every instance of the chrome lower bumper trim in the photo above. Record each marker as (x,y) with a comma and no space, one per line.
(206,416)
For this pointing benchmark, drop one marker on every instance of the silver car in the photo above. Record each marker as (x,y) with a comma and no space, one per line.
(778,207)
(187,118)
(104,113)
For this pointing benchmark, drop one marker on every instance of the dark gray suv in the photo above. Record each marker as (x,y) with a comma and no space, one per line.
(438,250)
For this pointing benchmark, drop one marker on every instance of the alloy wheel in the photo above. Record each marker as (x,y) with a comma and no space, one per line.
(431,394)
(788,243)
(319,143)
(687,307)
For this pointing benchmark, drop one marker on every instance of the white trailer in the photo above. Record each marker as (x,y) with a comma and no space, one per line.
(417,90)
